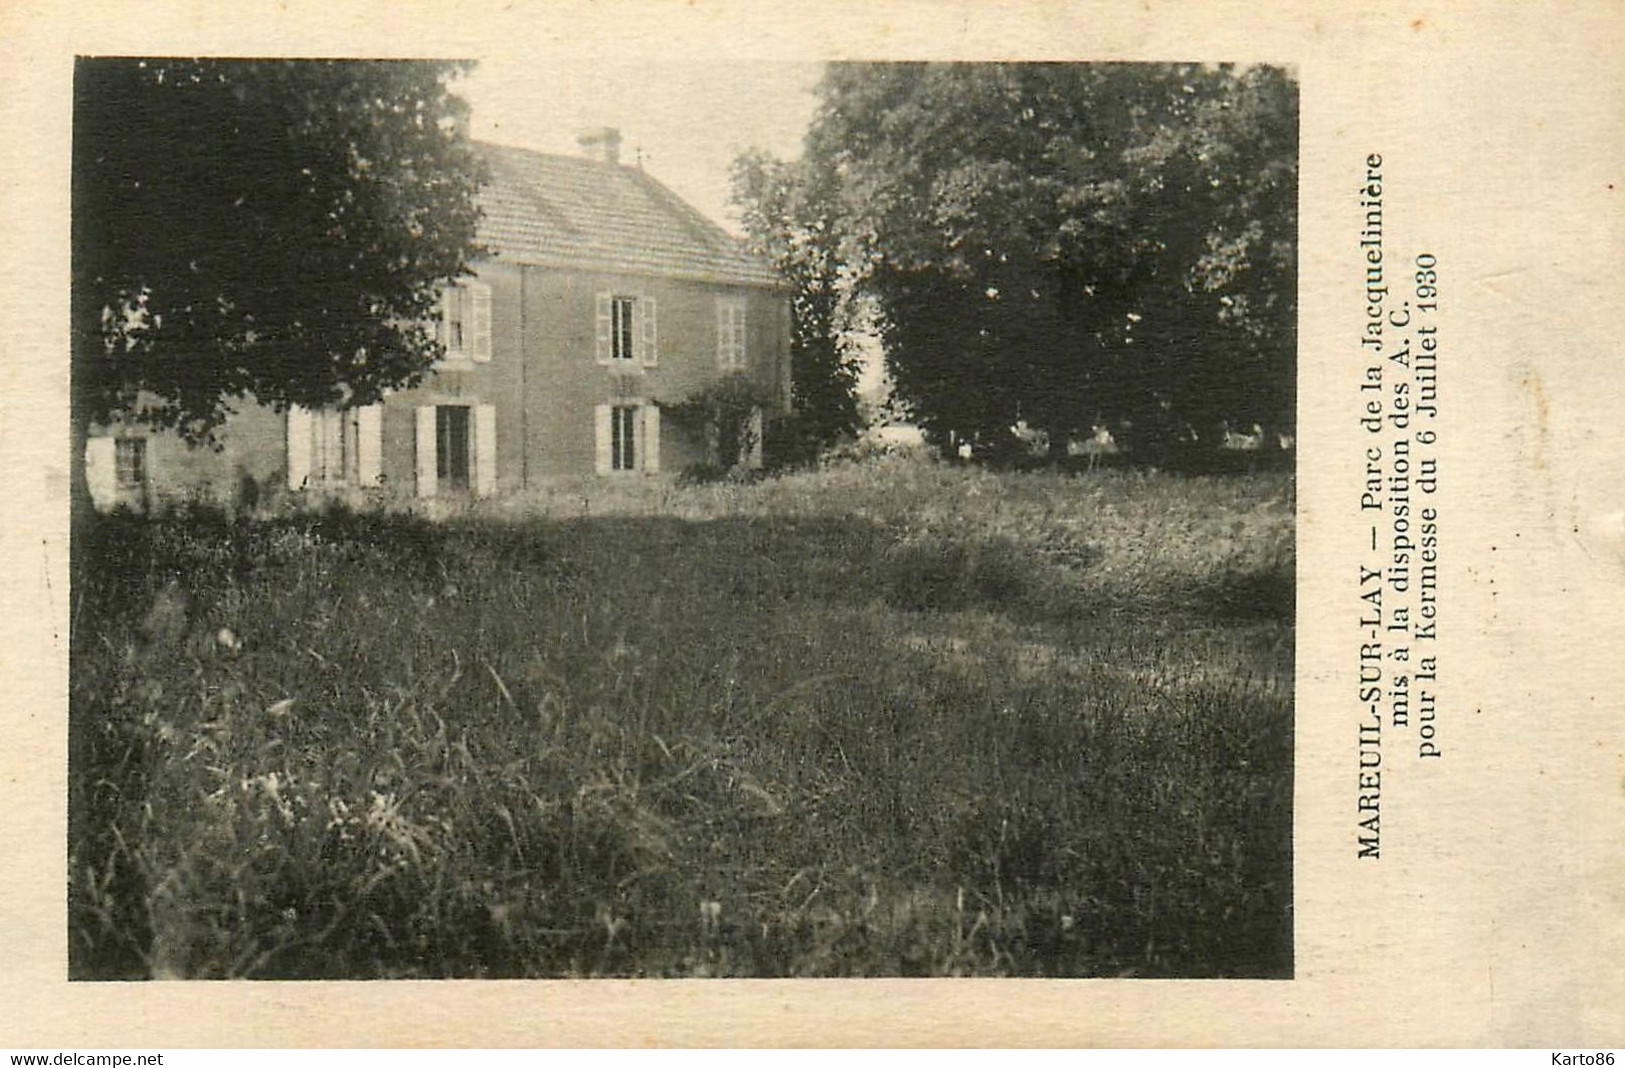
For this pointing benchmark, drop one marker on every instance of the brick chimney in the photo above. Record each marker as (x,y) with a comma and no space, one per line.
(602,143)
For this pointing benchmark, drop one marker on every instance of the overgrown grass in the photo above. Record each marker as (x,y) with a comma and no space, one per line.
(891,719)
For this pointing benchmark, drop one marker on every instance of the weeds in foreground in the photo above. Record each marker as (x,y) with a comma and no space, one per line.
(813,729)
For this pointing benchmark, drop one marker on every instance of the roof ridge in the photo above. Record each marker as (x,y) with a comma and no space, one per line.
(567,157)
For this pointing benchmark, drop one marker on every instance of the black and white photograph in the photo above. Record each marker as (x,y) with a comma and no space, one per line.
(682,520)
(899,523)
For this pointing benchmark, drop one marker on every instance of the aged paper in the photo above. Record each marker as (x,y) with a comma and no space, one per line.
(1496,914)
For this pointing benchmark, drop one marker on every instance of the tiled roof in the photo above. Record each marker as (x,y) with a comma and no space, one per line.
(564,211)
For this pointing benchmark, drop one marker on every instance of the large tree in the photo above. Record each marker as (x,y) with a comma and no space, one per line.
(259,231)
(789,214)
(1073,244)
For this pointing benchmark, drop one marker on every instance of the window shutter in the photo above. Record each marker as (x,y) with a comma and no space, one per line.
(299,432)
(101,470)
(753,459)
(601,436)
(478,310)
(425,451)
(443,331)
(326,448)
(650,340)
(485,450)
(603,348)
(369,445)
(739,336)
(651,438)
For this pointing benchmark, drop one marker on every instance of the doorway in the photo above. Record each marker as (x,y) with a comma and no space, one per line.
(451,446)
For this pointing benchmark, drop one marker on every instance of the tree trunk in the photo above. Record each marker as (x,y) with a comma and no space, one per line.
(81,506)
(80,502)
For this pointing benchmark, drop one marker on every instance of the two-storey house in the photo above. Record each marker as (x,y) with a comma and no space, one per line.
(606,298)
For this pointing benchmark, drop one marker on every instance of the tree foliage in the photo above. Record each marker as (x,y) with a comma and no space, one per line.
(274,230)
(727,414)
(789,215)
(1072,244)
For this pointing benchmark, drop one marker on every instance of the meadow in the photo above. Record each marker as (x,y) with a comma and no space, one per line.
(889,718)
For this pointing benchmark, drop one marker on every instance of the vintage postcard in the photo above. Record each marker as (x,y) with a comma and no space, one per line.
(894,524)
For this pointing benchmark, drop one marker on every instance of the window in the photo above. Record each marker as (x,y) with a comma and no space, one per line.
(621,330)
(623,438)
(451,321)
(334,447)
(465,321)
(456,448)
(627,335)
(328,445)
(451,446)
(628,437)
(130,462)
(731,334)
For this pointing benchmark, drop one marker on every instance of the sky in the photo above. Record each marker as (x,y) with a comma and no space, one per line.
(687,120)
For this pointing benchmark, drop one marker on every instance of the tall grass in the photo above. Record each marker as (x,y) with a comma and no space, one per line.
(885,720)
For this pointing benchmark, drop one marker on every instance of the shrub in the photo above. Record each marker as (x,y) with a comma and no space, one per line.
(872,449)
(791,441)
(727,413)
(705,473)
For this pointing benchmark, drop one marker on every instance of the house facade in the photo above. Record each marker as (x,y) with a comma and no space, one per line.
(606,300)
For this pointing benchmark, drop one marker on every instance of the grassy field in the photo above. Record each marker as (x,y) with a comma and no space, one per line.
(895,718)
